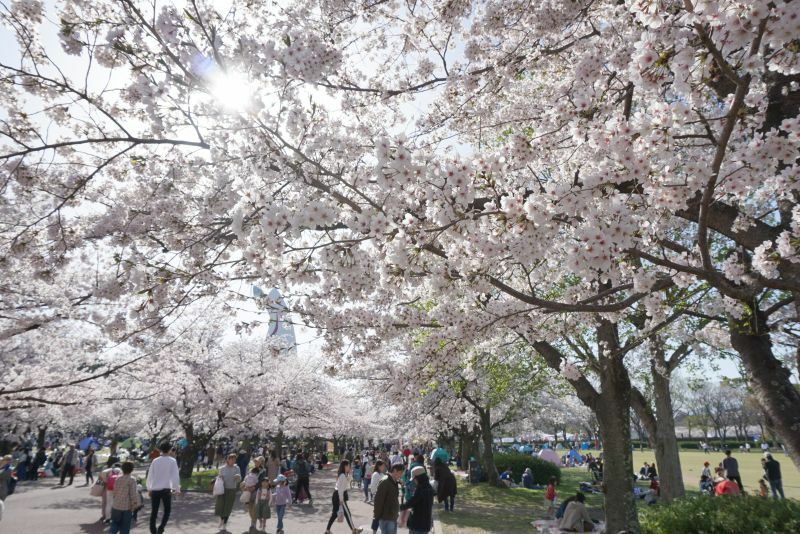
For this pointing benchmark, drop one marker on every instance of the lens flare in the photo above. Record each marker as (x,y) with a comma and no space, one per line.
(232,90)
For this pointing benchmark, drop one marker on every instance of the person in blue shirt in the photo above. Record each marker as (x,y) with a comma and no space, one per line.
(507,477)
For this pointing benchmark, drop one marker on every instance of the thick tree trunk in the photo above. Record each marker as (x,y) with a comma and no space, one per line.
(465,450)
(667,458)
(40,436)
(612,407)
(613,414)
(488,454)
(770,380)
(188,454)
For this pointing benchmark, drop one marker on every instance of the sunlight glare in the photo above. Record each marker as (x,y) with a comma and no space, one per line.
(232,90)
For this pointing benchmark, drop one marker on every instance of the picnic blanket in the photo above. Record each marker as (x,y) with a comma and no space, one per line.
(550,526)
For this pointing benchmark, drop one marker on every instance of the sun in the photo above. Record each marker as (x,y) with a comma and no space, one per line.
(232,90)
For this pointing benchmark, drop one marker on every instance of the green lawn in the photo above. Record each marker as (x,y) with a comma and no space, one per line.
(199,481)
(481,508)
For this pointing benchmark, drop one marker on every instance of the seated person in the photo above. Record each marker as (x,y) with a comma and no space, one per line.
(706,486)
(527,479)
(597,471)
(643,471)
(562,508)
(651,471)
(726,487)
(506,478)
(576,517)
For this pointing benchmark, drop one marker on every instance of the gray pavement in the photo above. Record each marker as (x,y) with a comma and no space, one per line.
(43,507)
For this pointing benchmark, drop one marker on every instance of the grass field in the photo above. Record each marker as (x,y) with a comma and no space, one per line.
(481,508)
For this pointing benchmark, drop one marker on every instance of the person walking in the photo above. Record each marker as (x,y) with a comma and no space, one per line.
(772,470)
(281,497)
(163,480)
(108,477)
(71,459)
(262,504)
(421,503)
(125,501)
(731,466)
(231,477)
(303,471)
(243,460)
(378,474)
(260,472)
(5,477)
(366,479)
(340,498)
(88,465)
(386,507)
(23,465)
(273,465)
(446,485)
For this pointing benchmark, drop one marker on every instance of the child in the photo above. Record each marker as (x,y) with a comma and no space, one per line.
(262,504)
(251,480)
(281,497)
(550,497)
(140,490)
(762,488)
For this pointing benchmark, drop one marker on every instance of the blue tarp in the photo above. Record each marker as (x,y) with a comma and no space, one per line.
(89,441)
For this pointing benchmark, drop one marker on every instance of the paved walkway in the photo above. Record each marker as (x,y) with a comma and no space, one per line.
(45,508)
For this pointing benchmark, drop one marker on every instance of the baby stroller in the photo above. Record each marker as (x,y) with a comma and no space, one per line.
(355,482)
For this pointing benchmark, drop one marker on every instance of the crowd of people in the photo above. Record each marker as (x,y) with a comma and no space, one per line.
(727,480)
(401,484)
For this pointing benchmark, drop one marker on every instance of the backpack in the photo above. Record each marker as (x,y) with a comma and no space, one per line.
(301,469)
(112,478)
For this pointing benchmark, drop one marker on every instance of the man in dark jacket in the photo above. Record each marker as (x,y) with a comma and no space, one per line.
(421,503)
(303,471)
(386,507)
(71,463)
(773,471)
(731,467)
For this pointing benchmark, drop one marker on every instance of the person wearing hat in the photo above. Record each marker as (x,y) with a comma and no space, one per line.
(421,503)
(282,496)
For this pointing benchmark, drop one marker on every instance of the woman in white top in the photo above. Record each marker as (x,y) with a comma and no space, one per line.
(340,498)
(378,474)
